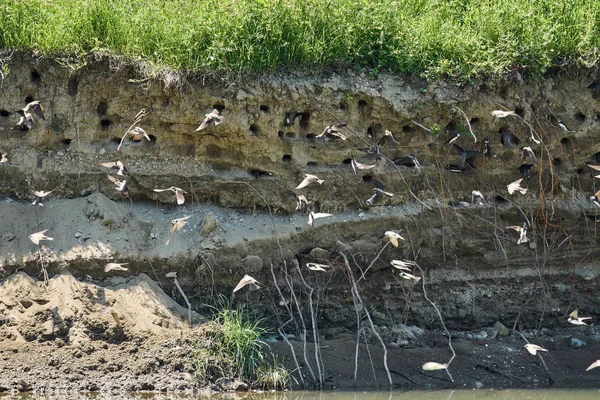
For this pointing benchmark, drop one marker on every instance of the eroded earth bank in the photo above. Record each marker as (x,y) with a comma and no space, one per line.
(240,177)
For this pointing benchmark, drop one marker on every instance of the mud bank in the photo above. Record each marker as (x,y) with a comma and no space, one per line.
(240,179)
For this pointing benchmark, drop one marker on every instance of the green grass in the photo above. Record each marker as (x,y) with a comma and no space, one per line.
(230,346)
(434,38)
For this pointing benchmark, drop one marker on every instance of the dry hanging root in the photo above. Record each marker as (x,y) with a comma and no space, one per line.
(358,301)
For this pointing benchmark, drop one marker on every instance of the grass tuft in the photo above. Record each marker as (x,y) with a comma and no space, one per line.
(434,38)
(230,346)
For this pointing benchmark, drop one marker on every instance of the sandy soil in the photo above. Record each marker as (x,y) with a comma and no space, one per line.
(126,334)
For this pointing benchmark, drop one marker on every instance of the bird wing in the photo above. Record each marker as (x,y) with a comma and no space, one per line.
(161,190)
(317,267)
(514,227)
(596,167)
(321,215)
(110,164)
(593,365)
(246,280)
(115,266)
(374,199)
(393,238)
(37,108)
(574,314)
(433,366)
(308,179)
(180,196)
(501,113)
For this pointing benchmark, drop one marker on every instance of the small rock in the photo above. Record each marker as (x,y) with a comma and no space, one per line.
(394,345)
(253,263)
(480,336)
(209,224)
(60,153)
(464,204)
(240,386)
(577,343)
(78,234)
(102,151)
(502,330)
(492,333)
(402,343)
(318,252)
(339,245)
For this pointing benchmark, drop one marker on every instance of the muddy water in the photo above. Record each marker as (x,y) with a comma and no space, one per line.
(513,394)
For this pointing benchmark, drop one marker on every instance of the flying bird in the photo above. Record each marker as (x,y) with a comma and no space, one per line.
(403,265)
(356,165)
(313,216)
(388,138)
(301,199)
(291,116)
(466,156)
(378,195)
(115,267)
(410,277)
(308,179)
(317,267)
(176,225)
(139,134)
(575,319)
(433,366)
(118,165)
(477,198)
(522,231)
(516,186)
(596,199)
(120,185)
(595,167)
(528,153)
(526,170)
(562,126)
(454,168)
(393,236)
(212,118)
(38,236)
(332,130)
(247,280)
(502,114)
(593,365)
(39,195)
(533,348)
(178,192)
(452,139)
(532,137)
(27,117)
(409,161)
(508,139)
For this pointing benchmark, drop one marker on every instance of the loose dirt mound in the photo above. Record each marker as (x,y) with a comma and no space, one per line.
(124,335)
(80,311)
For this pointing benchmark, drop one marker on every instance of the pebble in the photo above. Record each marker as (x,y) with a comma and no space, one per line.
(577,343)
(102,151)
(78,234)
(502,330)
(60,153)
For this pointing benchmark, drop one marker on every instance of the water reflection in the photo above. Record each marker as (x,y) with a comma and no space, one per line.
(408,395)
